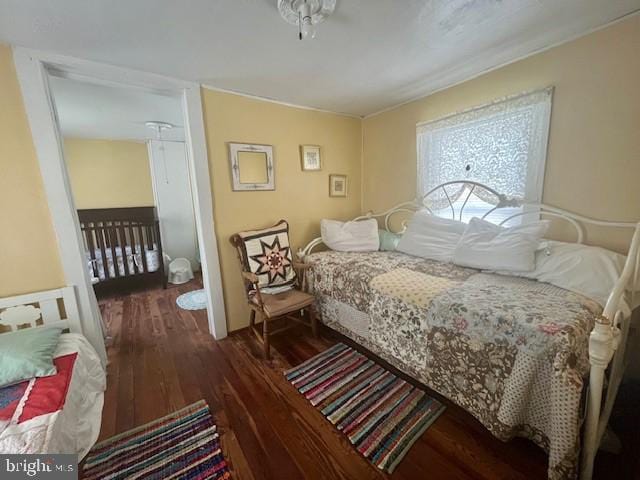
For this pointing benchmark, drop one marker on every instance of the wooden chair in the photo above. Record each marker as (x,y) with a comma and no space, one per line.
(265,308)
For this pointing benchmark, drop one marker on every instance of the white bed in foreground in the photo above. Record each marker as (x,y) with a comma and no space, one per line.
(60,415)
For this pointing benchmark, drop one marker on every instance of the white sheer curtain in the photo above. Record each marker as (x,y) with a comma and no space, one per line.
(502,145)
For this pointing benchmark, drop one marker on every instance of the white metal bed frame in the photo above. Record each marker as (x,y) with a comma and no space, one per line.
(608,339)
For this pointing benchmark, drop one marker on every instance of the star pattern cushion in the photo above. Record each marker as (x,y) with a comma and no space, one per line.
(268,255)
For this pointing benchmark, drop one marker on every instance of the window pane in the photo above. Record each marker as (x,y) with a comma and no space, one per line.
(502,145)
(491,150)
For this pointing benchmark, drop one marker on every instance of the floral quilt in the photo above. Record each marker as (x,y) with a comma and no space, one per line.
(511,351)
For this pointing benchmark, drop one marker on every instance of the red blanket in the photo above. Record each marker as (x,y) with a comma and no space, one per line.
(47,395)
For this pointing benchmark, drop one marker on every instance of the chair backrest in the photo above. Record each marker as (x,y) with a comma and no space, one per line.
(266,258)
(236,241)
(267,252)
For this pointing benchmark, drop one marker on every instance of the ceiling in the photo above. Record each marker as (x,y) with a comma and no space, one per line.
(89,110)
(368,56)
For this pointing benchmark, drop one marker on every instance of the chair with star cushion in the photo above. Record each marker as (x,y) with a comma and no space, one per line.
(274,283)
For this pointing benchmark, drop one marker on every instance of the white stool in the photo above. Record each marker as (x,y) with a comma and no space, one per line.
(180,271)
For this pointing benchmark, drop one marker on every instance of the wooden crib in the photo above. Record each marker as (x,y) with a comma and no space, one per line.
(123,248)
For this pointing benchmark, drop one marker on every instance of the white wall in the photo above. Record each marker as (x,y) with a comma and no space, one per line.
(172,191)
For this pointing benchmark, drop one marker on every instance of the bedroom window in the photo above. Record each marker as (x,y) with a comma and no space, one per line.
(502,145)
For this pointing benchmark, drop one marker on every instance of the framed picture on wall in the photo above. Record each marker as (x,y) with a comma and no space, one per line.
(251,167)
(310,158)
(337,185)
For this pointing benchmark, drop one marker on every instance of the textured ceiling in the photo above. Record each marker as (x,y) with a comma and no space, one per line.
(369,55)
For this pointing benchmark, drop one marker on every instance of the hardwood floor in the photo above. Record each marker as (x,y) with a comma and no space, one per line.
(162,359)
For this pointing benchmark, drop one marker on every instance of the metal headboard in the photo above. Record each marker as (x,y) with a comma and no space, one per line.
(442,193)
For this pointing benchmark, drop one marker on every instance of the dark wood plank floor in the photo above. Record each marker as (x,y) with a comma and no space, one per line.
(162,358)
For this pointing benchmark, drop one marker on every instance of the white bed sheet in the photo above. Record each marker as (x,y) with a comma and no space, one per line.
(75,428)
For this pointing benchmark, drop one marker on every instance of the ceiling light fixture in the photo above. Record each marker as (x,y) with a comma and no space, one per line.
(305,14)
(158,127)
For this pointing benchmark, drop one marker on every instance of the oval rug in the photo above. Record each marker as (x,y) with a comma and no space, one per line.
(195,300)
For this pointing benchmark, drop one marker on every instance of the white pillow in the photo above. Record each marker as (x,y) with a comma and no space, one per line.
(360,236)
(428,236)
(485,245)
(589,271)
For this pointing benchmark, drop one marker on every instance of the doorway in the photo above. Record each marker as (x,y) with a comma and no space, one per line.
(127,162)
(36,72)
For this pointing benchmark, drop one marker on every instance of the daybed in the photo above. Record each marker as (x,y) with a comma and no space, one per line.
(60,413)
(515,353)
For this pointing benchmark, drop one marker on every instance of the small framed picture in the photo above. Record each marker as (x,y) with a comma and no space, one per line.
(337,185)
(310,158)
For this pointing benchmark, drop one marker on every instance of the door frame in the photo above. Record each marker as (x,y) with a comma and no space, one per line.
(33,68)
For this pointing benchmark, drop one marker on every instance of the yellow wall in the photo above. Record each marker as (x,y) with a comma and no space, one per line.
(302,198)
(593,163)
(108,173)
(29,258)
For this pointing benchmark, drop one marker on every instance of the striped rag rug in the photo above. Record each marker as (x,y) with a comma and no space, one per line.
(381,414)
(182,445)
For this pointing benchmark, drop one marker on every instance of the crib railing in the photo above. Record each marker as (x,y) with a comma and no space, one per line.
(125,233)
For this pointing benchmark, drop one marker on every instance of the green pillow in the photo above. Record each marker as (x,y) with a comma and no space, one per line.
(27,353)
(388,240)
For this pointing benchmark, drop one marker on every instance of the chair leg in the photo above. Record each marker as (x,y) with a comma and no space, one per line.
(314,321)
(252,318)
(265,337)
